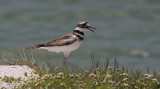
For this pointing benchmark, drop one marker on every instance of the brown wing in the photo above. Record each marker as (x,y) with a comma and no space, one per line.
(64,40)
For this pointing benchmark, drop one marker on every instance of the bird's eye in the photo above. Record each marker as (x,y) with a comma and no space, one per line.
(83,24)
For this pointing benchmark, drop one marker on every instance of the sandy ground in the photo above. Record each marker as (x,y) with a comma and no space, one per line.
(14,70)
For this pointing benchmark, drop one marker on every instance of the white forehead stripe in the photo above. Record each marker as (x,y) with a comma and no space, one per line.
(82,22)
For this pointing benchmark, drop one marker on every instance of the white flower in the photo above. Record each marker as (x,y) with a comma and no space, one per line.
(109,76)
(92,75)
(60,74)
(154,80)
(150,76)
(124,79)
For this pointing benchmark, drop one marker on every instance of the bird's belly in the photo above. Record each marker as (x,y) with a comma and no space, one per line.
(65,48)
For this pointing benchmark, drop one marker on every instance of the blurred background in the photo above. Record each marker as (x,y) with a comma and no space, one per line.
(128,30)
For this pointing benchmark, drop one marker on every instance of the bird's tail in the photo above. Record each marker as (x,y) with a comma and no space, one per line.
(32,47)
(35,46)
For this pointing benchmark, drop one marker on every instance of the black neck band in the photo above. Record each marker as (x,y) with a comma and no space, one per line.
(79,32)
(81,38)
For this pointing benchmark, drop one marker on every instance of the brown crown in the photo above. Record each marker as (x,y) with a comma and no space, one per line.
(82,24)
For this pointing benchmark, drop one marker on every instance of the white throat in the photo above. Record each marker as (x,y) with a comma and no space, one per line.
(81,29)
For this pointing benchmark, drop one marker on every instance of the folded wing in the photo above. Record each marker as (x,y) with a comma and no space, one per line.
(61,41)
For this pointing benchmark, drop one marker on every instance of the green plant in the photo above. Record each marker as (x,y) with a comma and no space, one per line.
(99,76)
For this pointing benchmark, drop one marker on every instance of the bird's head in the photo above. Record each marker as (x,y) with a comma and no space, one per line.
(83,26)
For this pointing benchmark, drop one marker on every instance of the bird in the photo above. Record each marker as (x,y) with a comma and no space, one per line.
(66,43)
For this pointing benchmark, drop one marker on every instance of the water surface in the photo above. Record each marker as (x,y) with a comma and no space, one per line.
(126,30)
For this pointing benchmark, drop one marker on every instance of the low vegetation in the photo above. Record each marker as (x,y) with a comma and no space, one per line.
(99,76)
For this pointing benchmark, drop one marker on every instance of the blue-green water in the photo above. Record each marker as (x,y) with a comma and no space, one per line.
(128,30)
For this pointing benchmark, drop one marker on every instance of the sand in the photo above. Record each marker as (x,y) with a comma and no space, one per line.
(16,71)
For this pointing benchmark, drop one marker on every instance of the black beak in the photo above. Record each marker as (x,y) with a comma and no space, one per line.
(90,28)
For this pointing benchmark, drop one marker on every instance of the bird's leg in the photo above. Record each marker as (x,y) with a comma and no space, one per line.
(65,59)
(64,62)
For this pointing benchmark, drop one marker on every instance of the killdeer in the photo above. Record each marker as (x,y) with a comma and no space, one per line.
(66,43)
